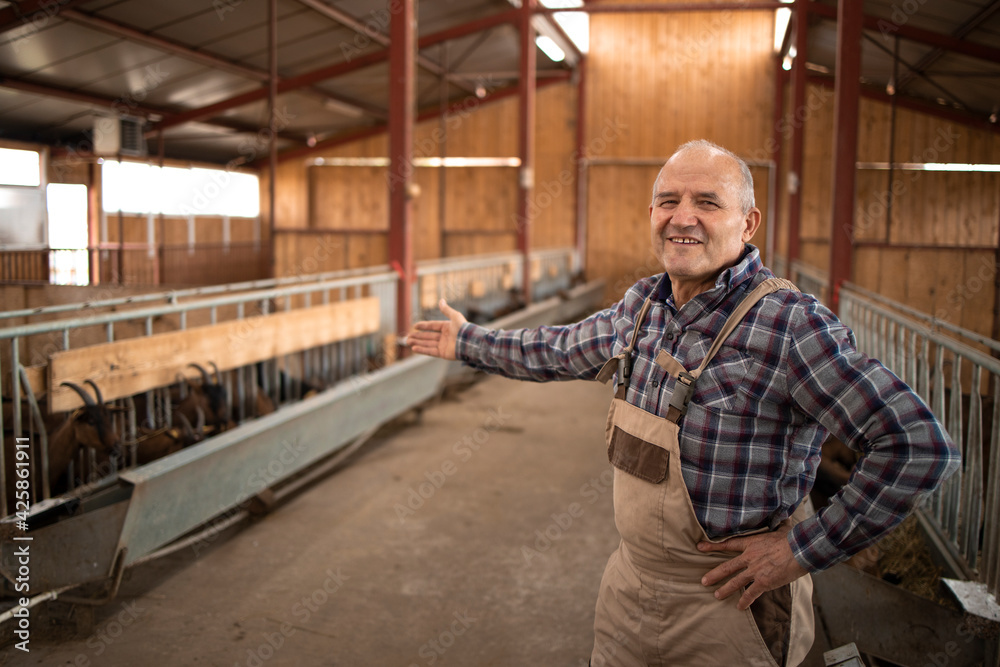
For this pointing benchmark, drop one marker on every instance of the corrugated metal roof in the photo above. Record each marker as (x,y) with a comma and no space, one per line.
(924,71)
(102,57)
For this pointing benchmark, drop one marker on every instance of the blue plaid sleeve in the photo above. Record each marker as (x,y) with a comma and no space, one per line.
(905,451)
(574,351)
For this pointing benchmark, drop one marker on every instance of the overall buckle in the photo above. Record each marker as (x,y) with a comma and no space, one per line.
(683,389)
(624,368)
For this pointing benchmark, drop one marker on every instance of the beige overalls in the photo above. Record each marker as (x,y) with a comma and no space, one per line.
(652,608)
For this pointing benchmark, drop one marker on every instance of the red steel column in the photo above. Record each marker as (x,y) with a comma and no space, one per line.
(526,139)
(402,59)
(272,123)
(847,92)
(798,107)
(581,161)
(776,148)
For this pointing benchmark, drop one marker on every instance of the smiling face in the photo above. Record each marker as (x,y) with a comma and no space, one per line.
(697,224)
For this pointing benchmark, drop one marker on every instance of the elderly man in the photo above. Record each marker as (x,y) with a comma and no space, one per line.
(728,381)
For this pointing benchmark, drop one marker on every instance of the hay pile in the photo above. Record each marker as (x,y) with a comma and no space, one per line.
(906,561)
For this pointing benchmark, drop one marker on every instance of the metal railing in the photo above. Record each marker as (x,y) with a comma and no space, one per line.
(480,282)
(174,296)
(809,280)
(467,283)
(328,363)
(962,387)
(484,285)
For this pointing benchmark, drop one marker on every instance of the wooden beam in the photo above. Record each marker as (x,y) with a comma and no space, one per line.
(37,377)
(134,365)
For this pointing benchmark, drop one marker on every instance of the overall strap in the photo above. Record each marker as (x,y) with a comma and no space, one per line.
(622,362)
(684,387)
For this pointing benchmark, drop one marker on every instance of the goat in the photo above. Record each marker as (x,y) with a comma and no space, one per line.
(152,445)
(211,397)
(289,386)
(87,427)
(262,404)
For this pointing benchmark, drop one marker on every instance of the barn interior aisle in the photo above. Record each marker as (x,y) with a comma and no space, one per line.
(476,534)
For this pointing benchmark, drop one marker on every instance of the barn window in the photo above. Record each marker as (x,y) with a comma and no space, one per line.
(135,187)
(19,167)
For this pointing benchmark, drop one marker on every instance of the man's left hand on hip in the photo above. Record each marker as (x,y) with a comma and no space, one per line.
(765,562)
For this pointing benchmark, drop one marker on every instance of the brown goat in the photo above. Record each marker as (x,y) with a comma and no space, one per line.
(210,397)
(152,445)
(87,427)
(262,404)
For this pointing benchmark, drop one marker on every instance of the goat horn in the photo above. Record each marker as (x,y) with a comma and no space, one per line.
(218,375)
(87,398)
(205,379)
(97,391)
(186,425)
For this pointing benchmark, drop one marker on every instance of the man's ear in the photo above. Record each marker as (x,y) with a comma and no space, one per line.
(751,222)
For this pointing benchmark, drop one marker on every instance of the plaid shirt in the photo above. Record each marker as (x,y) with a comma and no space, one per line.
(750,440)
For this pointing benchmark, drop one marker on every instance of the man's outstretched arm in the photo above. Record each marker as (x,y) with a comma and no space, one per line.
(540,354)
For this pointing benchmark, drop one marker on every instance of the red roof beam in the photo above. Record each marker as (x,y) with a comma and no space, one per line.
(122,106)
(660,8)
(889,28)
(34,14)
(162,44)
(939,111)
(463,105)
(331,71)
(373,34)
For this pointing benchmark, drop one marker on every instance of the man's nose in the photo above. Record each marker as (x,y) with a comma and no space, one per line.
(685,213)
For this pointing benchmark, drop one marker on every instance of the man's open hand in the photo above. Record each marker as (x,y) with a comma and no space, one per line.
(765,563)
(437,338)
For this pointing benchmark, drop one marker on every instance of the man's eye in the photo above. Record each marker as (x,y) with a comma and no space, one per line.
(711,204)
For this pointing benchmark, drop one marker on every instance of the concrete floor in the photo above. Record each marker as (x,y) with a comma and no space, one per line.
(425,550)
(475,536)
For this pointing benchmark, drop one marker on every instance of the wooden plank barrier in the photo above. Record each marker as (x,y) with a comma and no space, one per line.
(37,376)
(127,367)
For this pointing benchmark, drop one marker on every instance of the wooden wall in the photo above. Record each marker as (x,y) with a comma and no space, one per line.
(336,217)
(937,250)
(654,82)
(173,230)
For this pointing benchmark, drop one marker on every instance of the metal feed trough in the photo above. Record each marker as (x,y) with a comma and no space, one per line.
(93,532)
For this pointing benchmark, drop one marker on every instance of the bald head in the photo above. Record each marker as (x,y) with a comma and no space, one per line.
(743,185)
